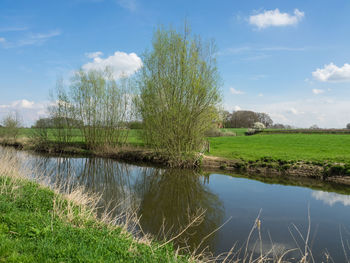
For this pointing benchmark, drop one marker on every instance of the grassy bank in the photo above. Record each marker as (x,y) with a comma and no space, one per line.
(37,224)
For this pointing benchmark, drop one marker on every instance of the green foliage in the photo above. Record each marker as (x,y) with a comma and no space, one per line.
(30,231)
(135,125)
(95,103)
(179,93)
(11,124)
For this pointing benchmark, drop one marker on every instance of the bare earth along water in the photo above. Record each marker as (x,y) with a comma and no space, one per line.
(165,195)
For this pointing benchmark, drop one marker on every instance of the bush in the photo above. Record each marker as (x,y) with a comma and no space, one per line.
(259,126)
(213,132)
(11,125)
(251,132)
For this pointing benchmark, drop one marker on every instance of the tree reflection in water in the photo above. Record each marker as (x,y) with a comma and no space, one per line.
(170,196)
(164,197)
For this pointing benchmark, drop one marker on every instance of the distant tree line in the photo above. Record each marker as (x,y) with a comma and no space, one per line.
(245,119)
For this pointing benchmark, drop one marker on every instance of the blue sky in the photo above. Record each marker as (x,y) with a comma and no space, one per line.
(288,58)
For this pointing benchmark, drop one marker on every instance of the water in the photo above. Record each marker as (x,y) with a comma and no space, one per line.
(165,195)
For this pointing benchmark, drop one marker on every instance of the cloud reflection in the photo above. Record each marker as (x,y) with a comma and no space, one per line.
(331,198)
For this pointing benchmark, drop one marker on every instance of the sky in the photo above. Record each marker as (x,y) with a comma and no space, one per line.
(287,58)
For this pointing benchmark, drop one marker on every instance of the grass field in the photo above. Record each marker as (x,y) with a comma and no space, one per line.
(134,136)
(307,147)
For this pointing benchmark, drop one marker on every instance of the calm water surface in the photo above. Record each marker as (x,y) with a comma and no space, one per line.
(170,195)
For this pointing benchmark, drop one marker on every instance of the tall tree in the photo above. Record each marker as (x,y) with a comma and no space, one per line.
(179,92)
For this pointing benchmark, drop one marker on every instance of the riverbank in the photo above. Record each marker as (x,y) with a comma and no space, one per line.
(194,189)
(39,224)
(325,170)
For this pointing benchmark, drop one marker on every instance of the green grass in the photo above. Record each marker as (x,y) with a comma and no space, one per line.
(134,137)
(307,147)
(31,232)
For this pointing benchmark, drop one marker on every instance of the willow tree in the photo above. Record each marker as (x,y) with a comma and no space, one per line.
(97,104)
(179,93)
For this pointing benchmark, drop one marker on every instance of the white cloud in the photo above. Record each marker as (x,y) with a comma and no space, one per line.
(332,73)
(120,63)
(331,198)
(258,77)
(317,91)
(29,111)
(260,95)
(237,108)
(2,40)
(94,54)
(128,4)
(323,111)
(293,111)
(35,39)
(275,18)
(236,92)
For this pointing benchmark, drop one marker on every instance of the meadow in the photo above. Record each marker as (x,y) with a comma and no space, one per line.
(305,147)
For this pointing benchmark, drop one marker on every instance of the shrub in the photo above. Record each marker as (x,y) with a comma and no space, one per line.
(213,132)
(259,126)
(11,125)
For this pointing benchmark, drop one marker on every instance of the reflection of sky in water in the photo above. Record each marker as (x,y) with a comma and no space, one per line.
(331,198)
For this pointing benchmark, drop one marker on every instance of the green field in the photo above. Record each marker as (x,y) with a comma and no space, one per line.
(306,147)
(134,136)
